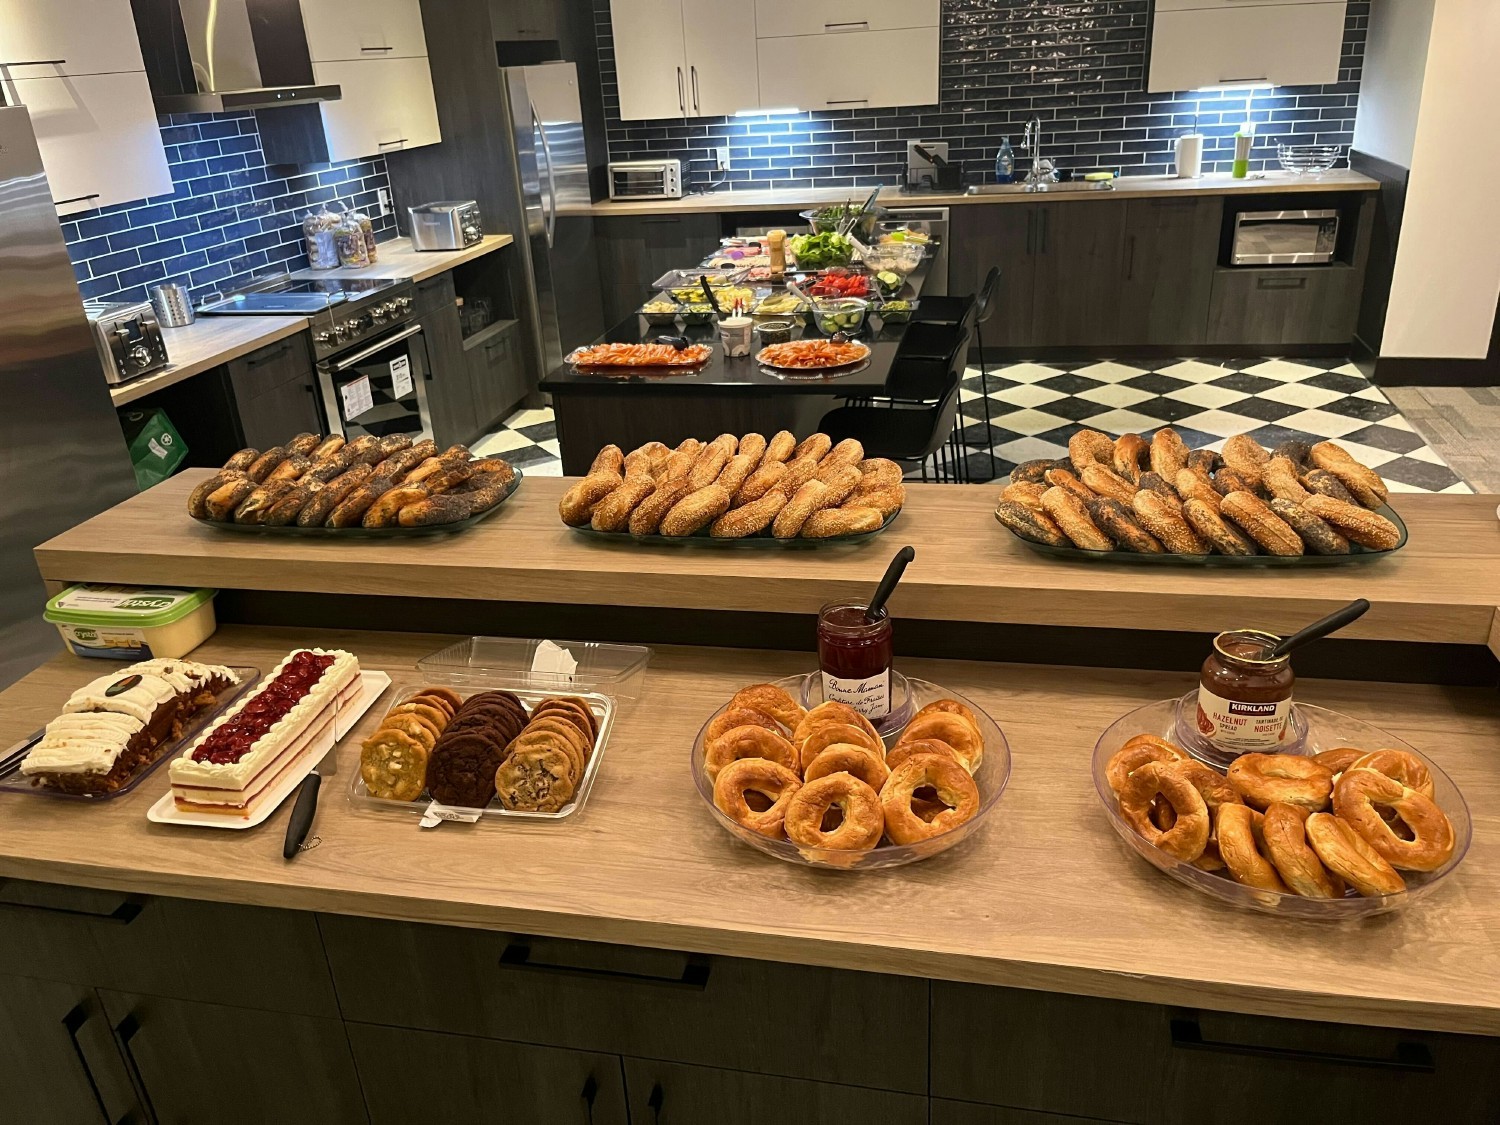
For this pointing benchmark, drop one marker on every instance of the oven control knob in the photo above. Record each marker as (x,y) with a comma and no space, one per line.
(404,303)
(340,332)
(324,338)
(377,314)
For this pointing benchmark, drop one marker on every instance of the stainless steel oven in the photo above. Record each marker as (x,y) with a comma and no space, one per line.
(378,386)
(1284,238)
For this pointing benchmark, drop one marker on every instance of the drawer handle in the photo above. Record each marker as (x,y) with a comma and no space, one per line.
(123,915)
(517,955)
(589,1095)
(75,199)
(1281,283)
(377,48)
(1188,1036)
(125,1031)
(654,1103)
(268,356)
(72,1023)
(851,25)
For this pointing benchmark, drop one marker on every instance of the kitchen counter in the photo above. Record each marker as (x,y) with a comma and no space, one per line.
(1442,588)
(1044,896)
(1126,187)
(212,340)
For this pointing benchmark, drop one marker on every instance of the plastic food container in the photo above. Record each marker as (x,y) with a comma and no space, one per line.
(618,671)
(132,622)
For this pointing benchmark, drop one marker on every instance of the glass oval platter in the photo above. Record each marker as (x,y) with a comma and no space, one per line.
(753,542)
(1357,554)
(1326,730)
(369,532)
(991,776)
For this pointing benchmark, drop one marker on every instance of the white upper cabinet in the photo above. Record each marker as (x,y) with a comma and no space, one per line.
(98,137)
(836,17)
(388,106)
(68,37)
(341,30)
(650,58)
(1188,5)
(1276,44)
(718,83)
(893,68)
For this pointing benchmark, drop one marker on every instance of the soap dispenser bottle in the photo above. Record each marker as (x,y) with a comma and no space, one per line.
(1005,163)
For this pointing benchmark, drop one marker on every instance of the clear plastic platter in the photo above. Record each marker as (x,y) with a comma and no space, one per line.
(992,775)
(1326,730)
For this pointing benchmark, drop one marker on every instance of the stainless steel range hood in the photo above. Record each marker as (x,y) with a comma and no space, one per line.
(204,56)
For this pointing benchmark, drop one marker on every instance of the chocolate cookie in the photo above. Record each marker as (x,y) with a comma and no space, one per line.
(497,723)
(461,769)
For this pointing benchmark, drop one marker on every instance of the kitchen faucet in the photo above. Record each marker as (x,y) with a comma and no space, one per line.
(1041,173)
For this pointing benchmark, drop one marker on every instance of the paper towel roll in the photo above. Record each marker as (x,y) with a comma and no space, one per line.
(1190,156)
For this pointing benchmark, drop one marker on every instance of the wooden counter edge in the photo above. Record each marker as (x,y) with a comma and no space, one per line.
(830,953)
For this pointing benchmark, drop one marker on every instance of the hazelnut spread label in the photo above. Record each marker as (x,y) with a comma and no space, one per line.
(1241,727)
(870,696)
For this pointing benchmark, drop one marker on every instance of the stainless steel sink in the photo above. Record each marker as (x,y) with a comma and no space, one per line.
(1043,189)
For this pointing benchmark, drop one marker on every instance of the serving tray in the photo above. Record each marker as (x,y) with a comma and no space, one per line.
(763,540)
(1357,554)
(294,531)
(12,780)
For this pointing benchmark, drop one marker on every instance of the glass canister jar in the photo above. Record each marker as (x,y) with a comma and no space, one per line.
(1245,695)
(855,658)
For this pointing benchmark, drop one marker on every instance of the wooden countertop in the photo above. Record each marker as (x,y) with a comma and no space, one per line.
(1044,896)
(1126,187)
(212,340)
(1444,586)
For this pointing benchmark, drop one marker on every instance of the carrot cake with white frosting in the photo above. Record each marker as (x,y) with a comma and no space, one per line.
(115,725)
(254,744)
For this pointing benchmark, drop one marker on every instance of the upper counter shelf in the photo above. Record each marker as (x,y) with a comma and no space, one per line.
(1443,587)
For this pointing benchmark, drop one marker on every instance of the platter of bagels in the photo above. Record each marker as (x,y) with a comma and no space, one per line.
(747,491)
(1357,823)
(1137,500)
(370,486)
(812,782)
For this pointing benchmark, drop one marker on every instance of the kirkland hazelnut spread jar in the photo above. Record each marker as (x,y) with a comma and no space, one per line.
(855,657)
(1244,695)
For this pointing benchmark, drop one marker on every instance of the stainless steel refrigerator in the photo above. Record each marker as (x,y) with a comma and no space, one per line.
(62,453)
(552,175)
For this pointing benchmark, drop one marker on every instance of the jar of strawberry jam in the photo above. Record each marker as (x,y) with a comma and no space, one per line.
(1245,694)
(855,657)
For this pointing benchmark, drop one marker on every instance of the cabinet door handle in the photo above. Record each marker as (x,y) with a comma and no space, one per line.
(1257,78)
(663,219)
(397,141)
(75,199)
(377,48)
(654,1103)
(268,356)
(694,71)
(123,915)
(1281,283)
(1130,258)
(72,1022)
(849,25)
(694,976)
(38,62)
(589,1094)
(125,1031)
(681,97)
(1030,230)
(1046,228)
(847,101)
(1187,1035)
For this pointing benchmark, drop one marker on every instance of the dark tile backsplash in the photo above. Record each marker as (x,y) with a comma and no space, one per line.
(1080,64)
(231,217)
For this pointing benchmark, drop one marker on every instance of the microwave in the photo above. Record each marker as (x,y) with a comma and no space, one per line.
(1284,238)
(645,179)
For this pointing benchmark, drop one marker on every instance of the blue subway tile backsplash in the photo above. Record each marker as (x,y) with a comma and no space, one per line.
(1079,64)
(232,217)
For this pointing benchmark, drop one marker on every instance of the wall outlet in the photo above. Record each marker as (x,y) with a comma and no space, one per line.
(384,200)
(721,158)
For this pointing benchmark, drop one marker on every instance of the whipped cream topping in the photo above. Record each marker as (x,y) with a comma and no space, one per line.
(185,675)
(88,742)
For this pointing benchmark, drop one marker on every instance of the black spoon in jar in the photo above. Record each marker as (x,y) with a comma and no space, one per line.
(1321,628)
(887,585)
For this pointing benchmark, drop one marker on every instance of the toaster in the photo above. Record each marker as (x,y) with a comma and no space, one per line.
(645,179)
(128,339)
(451,224)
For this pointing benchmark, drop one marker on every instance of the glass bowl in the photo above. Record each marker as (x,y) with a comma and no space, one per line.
(825,219)
(897,257)
(1326,730)
(659,312)
(914,231)
(695,315)
(840,314)
(897,311)
(1308,159)
(992,775)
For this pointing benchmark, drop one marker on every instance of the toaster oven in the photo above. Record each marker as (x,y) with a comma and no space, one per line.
(452,224)
(1284,238)
(645,179)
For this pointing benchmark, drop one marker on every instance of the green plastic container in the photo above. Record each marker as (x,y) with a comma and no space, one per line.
(132,622)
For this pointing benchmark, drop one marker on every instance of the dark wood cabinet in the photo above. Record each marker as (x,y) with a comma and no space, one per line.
(469,1081)
(1001,235)
(634,250)
(210,1062)
(1076,286)
(61,1056)
(672,1094)
(276,392)
(945,1112)
(497,373)
(450,391)
(524,20)
(1168,274)
(1268,307)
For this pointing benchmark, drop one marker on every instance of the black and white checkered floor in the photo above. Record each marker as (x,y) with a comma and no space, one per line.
(1034,407)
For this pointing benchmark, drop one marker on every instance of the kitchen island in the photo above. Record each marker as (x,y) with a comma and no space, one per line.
(609,967)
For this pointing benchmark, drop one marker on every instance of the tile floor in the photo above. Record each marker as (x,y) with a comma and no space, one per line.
(1034,407)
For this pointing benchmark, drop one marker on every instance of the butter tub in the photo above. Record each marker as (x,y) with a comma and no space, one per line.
(132,622)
